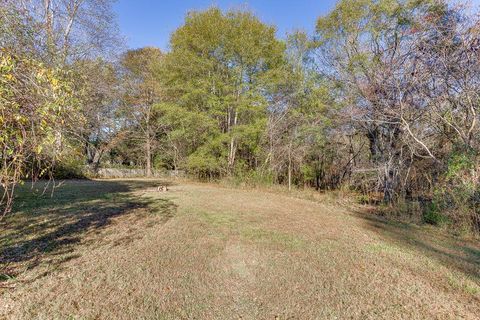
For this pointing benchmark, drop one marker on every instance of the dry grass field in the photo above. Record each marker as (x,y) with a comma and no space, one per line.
(119,249)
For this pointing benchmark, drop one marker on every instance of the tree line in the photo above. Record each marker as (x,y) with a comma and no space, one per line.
(381,99)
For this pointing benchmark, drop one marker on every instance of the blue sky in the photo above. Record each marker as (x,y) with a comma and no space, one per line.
(150,22)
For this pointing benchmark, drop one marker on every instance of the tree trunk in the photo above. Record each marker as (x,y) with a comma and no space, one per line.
(289,171)
(389,185)
(233,147)
(373,139)
(48,11)
(148,140)
(148,155)
(95,165)
(175,161)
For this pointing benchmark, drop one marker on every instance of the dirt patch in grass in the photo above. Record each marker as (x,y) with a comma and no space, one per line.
(205,252)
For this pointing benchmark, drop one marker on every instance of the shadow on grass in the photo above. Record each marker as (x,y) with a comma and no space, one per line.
(459,254)
(47,228)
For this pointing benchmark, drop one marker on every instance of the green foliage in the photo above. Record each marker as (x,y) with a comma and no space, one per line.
(251,178)
(231,100)
(434,215)
(456,194)
(204,164)
(71,167)
(308,171)
(460,163)
(221,67)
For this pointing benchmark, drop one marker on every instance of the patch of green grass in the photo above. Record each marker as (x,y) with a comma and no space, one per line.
(163,207)
(272,237)
(390,249)
(464,285)
(472,253)
(6,277)
(472,290)
(382,247)
(232,222)
(218,219)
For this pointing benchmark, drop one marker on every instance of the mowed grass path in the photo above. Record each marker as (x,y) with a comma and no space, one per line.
(121,250)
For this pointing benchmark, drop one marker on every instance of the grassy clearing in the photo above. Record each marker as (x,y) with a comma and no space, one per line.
(120,250)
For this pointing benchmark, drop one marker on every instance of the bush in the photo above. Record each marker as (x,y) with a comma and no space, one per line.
(69,169)
(256,178)
(433,216)
(456,197)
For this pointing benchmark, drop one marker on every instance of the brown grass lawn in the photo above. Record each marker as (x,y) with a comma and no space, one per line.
(120,250)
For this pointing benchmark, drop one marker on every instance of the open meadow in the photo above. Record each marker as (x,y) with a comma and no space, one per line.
(119,249)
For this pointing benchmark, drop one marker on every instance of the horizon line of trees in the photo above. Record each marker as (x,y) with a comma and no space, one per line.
(382,99)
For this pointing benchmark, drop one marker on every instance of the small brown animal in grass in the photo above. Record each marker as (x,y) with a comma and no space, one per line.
(162,189)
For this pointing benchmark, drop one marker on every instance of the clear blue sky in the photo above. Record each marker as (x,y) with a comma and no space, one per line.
(150,22)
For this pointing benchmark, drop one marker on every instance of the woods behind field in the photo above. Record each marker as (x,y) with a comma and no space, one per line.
(323,174)
(381,99)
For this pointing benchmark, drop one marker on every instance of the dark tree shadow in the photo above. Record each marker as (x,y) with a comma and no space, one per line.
(47,228)
(454,253)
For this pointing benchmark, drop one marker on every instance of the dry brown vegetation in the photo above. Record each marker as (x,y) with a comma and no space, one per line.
(120,250)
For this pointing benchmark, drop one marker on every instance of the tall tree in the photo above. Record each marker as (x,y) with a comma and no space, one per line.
(363,47)
(297,118)
(223,65)
(143,92)
(98,87)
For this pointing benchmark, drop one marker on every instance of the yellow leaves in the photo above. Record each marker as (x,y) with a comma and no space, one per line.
(40,74)
(40,102)
(38,149)
(6,62)
(6,70)
(54,82)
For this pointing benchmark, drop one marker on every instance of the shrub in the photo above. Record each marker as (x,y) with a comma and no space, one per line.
(456,198)
(433,215)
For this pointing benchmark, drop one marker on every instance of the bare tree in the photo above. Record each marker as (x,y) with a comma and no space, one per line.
(68,30)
